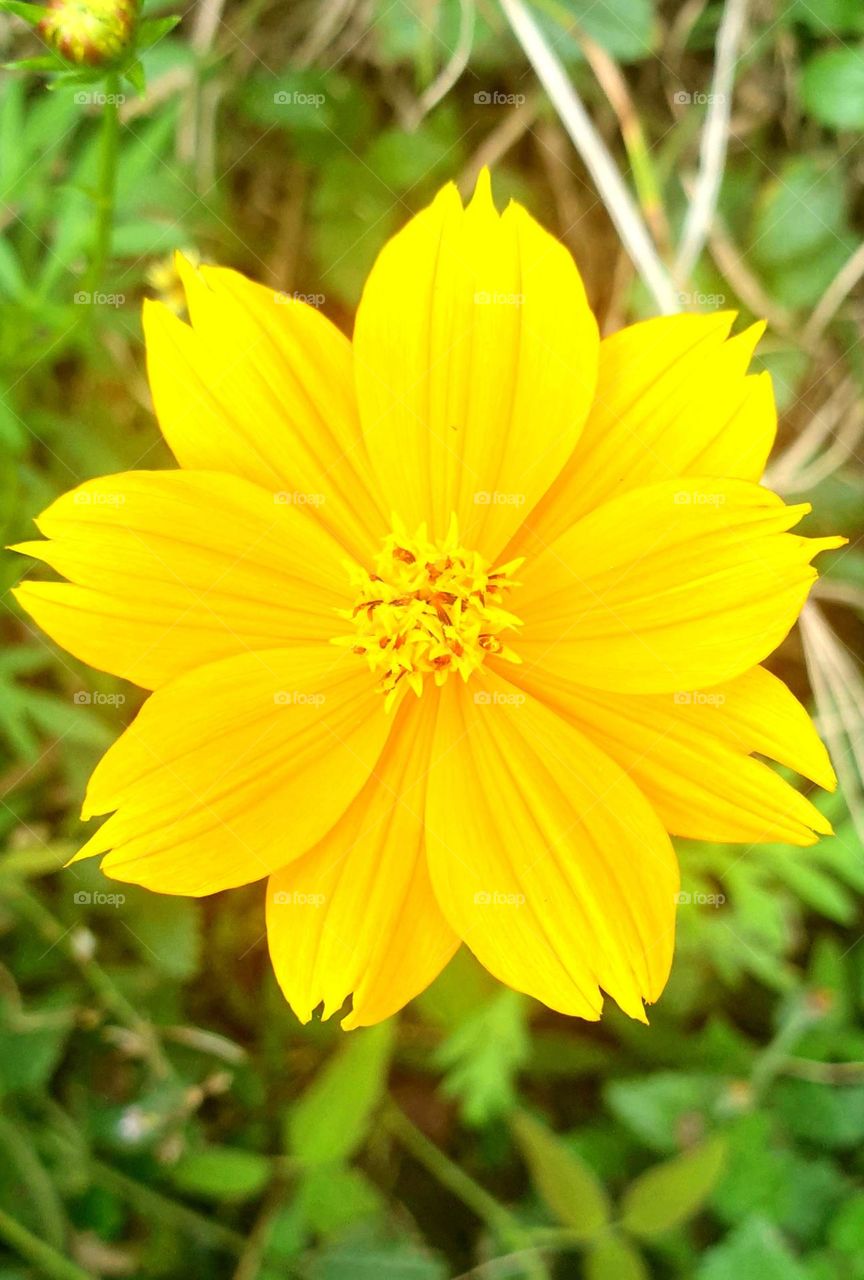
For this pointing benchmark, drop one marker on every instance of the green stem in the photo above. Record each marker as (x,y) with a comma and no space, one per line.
(106,184)
(463,1186)
(47,1260)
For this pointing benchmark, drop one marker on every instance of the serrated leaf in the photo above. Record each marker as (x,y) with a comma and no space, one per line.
(331,1119)
(483,1056)
(565,1183)
(668,1194)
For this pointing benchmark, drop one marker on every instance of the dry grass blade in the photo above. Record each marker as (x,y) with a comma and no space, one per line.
(619,203)
(715,138)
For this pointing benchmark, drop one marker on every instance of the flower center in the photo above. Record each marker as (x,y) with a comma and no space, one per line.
(428,608)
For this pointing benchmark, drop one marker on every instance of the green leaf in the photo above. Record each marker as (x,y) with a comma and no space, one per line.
(154,29)
(222,1173)
(332,1118)
(32,13)
(799,211)
(136,76)
(832,88)
(756,1251)
(830,18)
(846,1231)
(483,1055)
(166,931)
(615,1259)
(654,1107)
(668,1194)
(567,1185)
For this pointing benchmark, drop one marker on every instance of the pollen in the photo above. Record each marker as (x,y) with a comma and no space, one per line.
(427,610)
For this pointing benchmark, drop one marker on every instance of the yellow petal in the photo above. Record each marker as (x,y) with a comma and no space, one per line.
(476,358)
(261,386)
(672,398)
(691,753)
(546,859)
(357,913)
(679,585)
(172,569)
(234,769)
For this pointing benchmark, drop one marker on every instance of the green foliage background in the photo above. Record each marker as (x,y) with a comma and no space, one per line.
(161,1112)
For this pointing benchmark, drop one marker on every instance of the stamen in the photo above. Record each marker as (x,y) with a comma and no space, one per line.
(428,609)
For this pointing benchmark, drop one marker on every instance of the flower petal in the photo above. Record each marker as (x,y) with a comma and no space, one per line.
(357,913)
(234,769)
(172,569)
(261,386)
(672,397)
(476,359)
(679,585)
(691,753)
(547,860)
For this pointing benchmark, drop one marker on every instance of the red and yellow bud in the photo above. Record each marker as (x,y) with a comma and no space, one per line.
(89,33)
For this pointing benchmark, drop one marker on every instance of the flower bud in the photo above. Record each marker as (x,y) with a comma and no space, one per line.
(91,33)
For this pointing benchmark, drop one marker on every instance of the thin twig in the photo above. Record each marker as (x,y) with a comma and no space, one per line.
(836,293)
(715,138)
(619,203)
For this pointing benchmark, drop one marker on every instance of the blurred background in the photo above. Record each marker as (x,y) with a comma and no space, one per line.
(162,1114)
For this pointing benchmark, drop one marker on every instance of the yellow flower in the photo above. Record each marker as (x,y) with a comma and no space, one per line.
(447,629)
